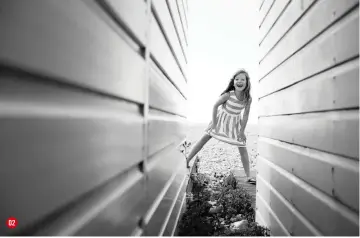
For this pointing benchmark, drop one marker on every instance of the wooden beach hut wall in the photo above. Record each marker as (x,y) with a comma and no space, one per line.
(308,170)
(92,108)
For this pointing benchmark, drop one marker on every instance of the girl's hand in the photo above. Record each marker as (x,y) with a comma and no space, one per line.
(242,136)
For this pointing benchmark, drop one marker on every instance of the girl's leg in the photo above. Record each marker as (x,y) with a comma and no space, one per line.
(245,161)
(197,147)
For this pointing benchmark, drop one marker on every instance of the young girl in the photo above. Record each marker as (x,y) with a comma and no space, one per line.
(227,124)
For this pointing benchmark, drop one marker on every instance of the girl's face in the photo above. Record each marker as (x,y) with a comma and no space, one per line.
(240,82)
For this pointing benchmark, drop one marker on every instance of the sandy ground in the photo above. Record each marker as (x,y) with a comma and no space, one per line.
(217,156)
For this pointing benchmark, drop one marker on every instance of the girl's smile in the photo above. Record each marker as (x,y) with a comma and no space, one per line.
(240,82)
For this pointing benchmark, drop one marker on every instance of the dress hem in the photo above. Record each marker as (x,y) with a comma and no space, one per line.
(225,139)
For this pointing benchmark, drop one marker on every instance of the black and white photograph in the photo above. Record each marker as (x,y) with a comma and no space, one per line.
(179,118)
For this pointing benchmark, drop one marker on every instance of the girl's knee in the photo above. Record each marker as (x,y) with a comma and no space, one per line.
(206,137)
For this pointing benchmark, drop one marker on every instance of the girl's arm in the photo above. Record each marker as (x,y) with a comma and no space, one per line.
(246,116)
(222,99)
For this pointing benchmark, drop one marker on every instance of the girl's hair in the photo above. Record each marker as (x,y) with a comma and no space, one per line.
(231,86)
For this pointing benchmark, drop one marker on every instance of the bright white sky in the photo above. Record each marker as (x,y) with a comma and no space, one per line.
(223,37)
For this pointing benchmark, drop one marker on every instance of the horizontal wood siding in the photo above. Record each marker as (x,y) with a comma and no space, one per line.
(92,111)
(166,123)
(308,170)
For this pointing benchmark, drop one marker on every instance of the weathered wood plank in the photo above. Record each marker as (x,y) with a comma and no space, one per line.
(283,218)
(323,53)
(273,16)
(264,11)
(293,12)
(328,173)
(334,89)
(163,12)
(317,19)
(59,141)
(116,214)
(160,219)
(172,224)
(162,171)
(175,231)
(182,19)
(270,219)
(176,18)
(185,10)
(163,95)
(133,13)
(183,16)
(260,4)
(61,50)
(326,214)
(334,132)
(164,130)
(161,52)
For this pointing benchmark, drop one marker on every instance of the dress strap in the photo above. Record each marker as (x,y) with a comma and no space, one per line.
(232,94)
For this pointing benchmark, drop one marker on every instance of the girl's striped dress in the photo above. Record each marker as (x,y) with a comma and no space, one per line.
(228,120)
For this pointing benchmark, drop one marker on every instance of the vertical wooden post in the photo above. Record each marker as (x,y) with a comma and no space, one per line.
(145,111)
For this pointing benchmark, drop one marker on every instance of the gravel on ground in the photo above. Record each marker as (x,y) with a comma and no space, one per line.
(217,156)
